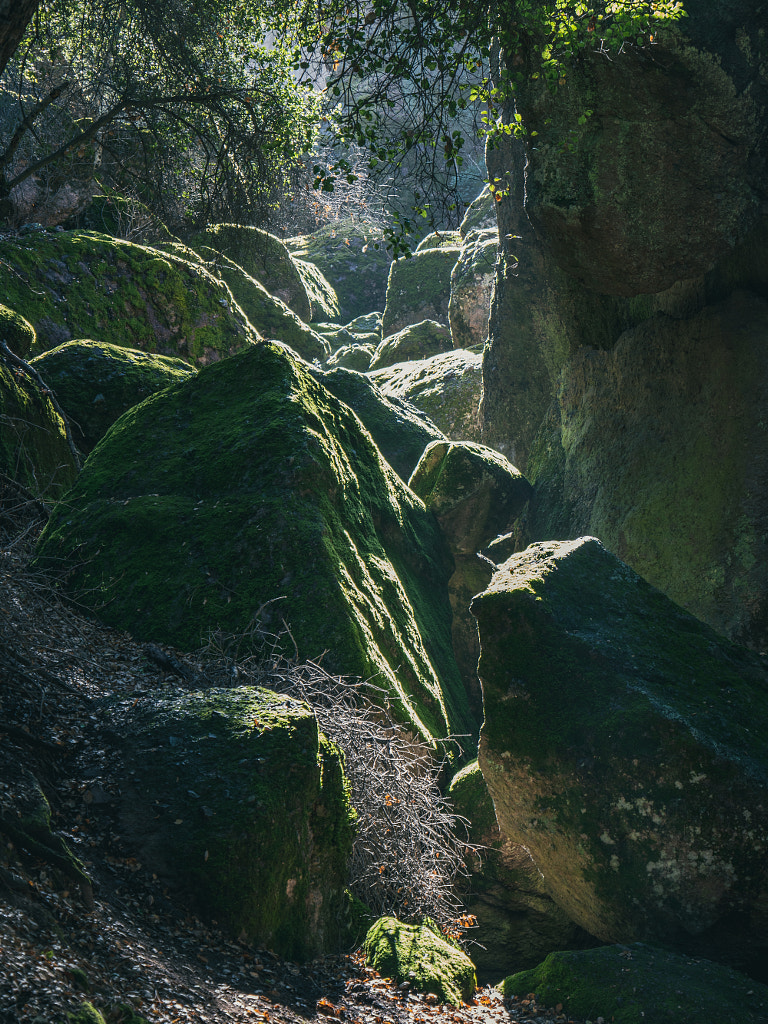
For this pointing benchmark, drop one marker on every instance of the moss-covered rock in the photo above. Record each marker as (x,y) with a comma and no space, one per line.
(689,396)
(262,256)
(639,983)
(365,325)
(16,332)
(417,341)
(623,745)
(518,922)
(74,284)
(267,313)
(351,357)
(480,214)
(33,444)
(446,387)
(252,817)
(471,285)
(248,484)
(419,288)
(439,240)
(352,256)
(475,494)
(400,431)
(96,383)
(86,1014)
(421,955)
(323,300)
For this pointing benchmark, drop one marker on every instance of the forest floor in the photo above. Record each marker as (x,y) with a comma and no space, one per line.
(130,946)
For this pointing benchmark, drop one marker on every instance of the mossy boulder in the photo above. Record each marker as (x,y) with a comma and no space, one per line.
(74,284)
(33,445)
(518,922)
(323,300)
(400,431)
(623,745)
(471,286)
(446,387)
(249,484)
(421,955)
(475,494)
(96,383)
(251,815)
(638,983)
(439,240)
(16,332)
(658,447)
(351,357)
(419,288)
(417,341)
(362,327)
(262,256)
(352,256)
(480,214)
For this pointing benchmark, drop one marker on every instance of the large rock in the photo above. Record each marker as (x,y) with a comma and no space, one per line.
(623,746)
(249,484)
(323,300)
(659,448)
(418,954)
(96,383)
(475,494)
(518,922)
(446,387)
(263,257)
(639,983)
(400,431)
(251,815)
(352,256)
(74,284)
(16,332)
(34,452)
(419,288)
(471,286)
(417,341)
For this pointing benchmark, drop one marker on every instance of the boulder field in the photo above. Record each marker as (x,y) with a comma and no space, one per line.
(623,745)
(249,492)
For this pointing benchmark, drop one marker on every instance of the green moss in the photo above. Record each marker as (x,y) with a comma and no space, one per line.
(638,983)
(144,299)
(16,332)
(33,447)
(86,1014)
(250,484)
(417,341)
(419,288)
(421,955)
(323,300)
(96,383)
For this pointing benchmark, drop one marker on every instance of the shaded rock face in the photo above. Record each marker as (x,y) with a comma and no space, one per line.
(33,445)
(647,231)
(96,383)
(418,953)
(446,387)
(417,341)
(659,448)
(638,983)
(74,284)
(475,494)
(622,746)
(353,258)
(518,921)
(251,490)
(419,288)
(471,286)
(252,817)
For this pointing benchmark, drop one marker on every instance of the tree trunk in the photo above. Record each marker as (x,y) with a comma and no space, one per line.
(15,15)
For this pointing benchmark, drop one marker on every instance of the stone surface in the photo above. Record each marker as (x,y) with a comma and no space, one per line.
(475,494)
(323,300)
(518,922)
(96,383)
(16,332)
(659,448)
(419,954)
(471,285)
(263,257)
(480,214)
(419,288)
(622,746)
(439,240)
(417,341)
(33,446)
(74,284)
(351,357)
(251,490)
(252,820)
(447,388)
(353,258)
(638,983)
(400,431)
